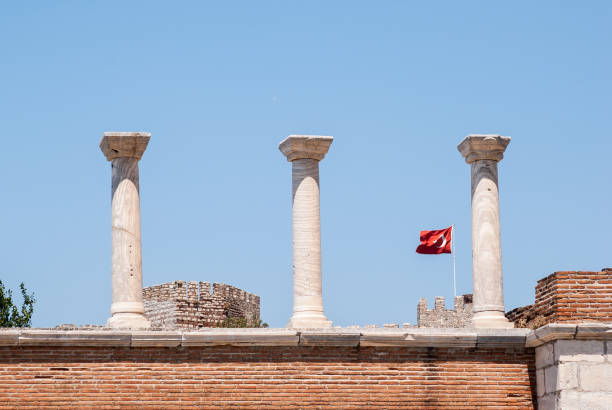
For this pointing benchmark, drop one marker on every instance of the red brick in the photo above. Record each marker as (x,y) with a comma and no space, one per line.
(569,297)
(266,377)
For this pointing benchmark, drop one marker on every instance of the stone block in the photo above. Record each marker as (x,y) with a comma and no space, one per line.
(551,375)
(579,351)
(567,374)
(156,339)
(501,340)
(594,331)
(440,337)
(501,337)
(544,355)
(74,338)
(383,337)
(241,337)
(9,337)
(596,377)
(583,401)
(548,402)
(553,331)
(330,338)
(541,387)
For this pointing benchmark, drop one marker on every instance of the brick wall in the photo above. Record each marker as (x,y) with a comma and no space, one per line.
(460,316)
(568,297)
(68,377)
(522,316)
(192,305)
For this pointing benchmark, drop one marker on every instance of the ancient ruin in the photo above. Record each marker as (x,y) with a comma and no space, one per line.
(439,316)
(162,347)
(124,150)
(568,297)
(194,305)
(483,152)
(304,152)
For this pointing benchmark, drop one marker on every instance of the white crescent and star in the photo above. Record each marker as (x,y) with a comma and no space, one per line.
(443,242)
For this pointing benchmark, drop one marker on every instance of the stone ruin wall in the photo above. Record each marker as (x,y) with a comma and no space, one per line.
(192,305)
(460,316)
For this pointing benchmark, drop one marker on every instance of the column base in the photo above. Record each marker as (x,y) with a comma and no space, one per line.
(491,319)
(128,321)
(312,321)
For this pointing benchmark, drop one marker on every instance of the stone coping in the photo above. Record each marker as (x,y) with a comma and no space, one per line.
(568,331)
(416,337)
(351,337)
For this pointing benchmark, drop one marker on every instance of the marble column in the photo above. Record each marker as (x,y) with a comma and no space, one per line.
(305,152)
(483,152)
(124,150)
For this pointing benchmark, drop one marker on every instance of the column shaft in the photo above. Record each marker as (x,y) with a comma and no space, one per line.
(307,295)
(126,245)
(486,242)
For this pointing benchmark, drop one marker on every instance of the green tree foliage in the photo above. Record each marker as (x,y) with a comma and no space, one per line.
(242,322)
(10,316)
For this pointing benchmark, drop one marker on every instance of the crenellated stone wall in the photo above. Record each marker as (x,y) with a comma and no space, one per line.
(460,316)
(192,305)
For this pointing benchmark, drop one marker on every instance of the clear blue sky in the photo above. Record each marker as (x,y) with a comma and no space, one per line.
(219,84)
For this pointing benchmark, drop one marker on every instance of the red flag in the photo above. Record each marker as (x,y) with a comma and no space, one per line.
(436,242)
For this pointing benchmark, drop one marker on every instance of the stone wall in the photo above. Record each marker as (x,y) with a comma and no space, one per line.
(575,374)
(460,316)
(192,305)
(573,366)
(568,297)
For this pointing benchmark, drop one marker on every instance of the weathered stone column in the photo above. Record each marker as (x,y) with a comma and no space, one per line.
(305,152)
(483,152)
(124,150)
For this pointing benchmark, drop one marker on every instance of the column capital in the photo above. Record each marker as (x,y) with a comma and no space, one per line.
(124,144)
(305,146)
(478,147)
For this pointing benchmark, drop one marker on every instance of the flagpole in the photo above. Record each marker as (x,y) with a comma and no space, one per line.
(454,264)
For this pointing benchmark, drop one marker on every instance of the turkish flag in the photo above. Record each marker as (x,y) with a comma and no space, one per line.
(436,242)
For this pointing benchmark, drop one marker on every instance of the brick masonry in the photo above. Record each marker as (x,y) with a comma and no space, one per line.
(568,297)
(460,316)
(192,305)
(298,377)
